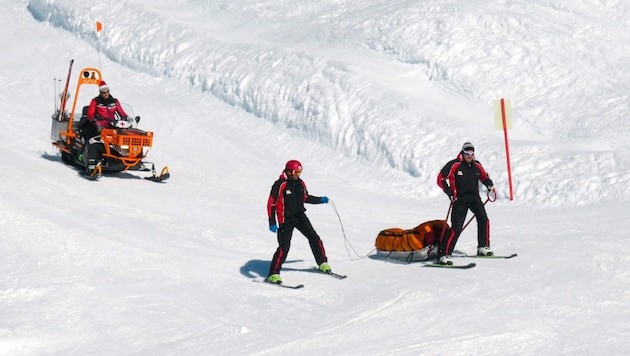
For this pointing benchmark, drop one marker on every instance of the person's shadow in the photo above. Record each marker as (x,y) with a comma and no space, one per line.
(259,268)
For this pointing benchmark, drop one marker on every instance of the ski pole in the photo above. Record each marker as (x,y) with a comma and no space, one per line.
(450,206)
(484,203)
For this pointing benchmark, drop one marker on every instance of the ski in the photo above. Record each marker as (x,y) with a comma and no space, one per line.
(454,266)
(281,285)
(64,95)
(489,257)
(289,286)
(332,274)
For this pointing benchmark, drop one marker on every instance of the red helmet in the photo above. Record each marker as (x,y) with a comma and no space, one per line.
(293,167)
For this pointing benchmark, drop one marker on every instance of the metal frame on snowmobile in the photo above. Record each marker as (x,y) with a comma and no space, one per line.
(124,146)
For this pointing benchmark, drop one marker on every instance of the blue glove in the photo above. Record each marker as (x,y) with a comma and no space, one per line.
(323,200)
(273,228)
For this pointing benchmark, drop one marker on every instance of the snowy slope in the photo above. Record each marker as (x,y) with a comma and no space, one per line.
(373,97)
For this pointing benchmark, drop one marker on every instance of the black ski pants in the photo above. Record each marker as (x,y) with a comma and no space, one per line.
(285,232)
(458,216)
(92,152)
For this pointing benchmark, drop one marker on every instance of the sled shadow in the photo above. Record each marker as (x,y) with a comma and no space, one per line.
(81,169)
(398,259)
(260,268)
(405,258)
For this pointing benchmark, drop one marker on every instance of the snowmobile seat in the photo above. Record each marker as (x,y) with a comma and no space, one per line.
(77,125)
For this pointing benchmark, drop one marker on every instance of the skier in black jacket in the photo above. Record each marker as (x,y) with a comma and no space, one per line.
(459,179)
(286,201)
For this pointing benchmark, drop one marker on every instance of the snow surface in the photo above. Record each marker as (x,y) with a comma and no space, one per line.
(373,97)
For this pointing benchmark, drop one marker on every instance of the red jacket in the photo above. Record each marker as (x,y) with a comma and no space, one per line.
(103,111)
(459,178)
(287,199)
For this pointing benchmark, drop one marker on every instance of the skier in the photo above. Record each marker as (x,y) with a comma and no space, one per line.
(101,113)
(459,179)
(286,201)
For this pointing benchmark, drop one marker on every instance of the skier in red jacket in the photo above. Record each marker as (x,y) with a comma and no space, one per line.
(459,179)
(286,201)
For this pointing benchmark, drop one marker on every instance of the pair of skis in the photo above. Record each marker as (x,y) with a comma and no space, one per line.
(426,264)
(469,265)
(298,286)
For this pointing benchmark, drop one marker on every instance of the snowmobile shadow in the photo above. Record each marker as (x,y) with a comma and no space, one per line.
(260,268)
(47,156)
(122,175)
(119,175)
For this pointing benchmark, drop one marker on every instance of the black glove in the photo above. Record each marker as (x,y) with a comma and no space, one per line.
(450,194)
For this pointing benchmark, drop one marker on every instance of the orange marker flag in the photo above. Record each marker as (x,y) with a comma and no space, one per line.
(99,26)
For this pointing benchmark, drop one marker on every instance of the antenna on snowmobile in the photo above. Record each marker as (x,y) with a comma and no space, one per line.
(99,57)
(99,28)
(56,88)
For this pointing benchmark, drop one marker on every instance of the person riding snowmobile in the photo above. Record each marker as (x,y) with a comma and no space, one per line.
(101,113)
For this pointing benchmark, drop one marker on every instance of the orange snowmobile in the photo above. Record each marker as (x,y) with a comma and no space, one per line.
(124,145)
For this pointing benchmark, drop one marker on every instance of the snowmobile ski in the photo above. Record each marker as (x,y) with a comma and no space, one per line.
(88,176)
(96,174)
(164,175)
(453,266)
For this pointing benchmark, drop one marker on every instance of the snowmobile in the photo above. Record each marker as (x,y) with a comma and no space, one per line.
(124,145)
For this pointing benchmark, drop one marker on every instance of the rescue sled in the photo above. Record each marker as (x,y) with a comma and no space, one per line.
(411,245)
(125,145)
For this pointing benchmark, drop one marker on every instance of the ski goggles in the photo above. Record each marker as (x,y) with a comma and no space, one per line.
(469,153)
